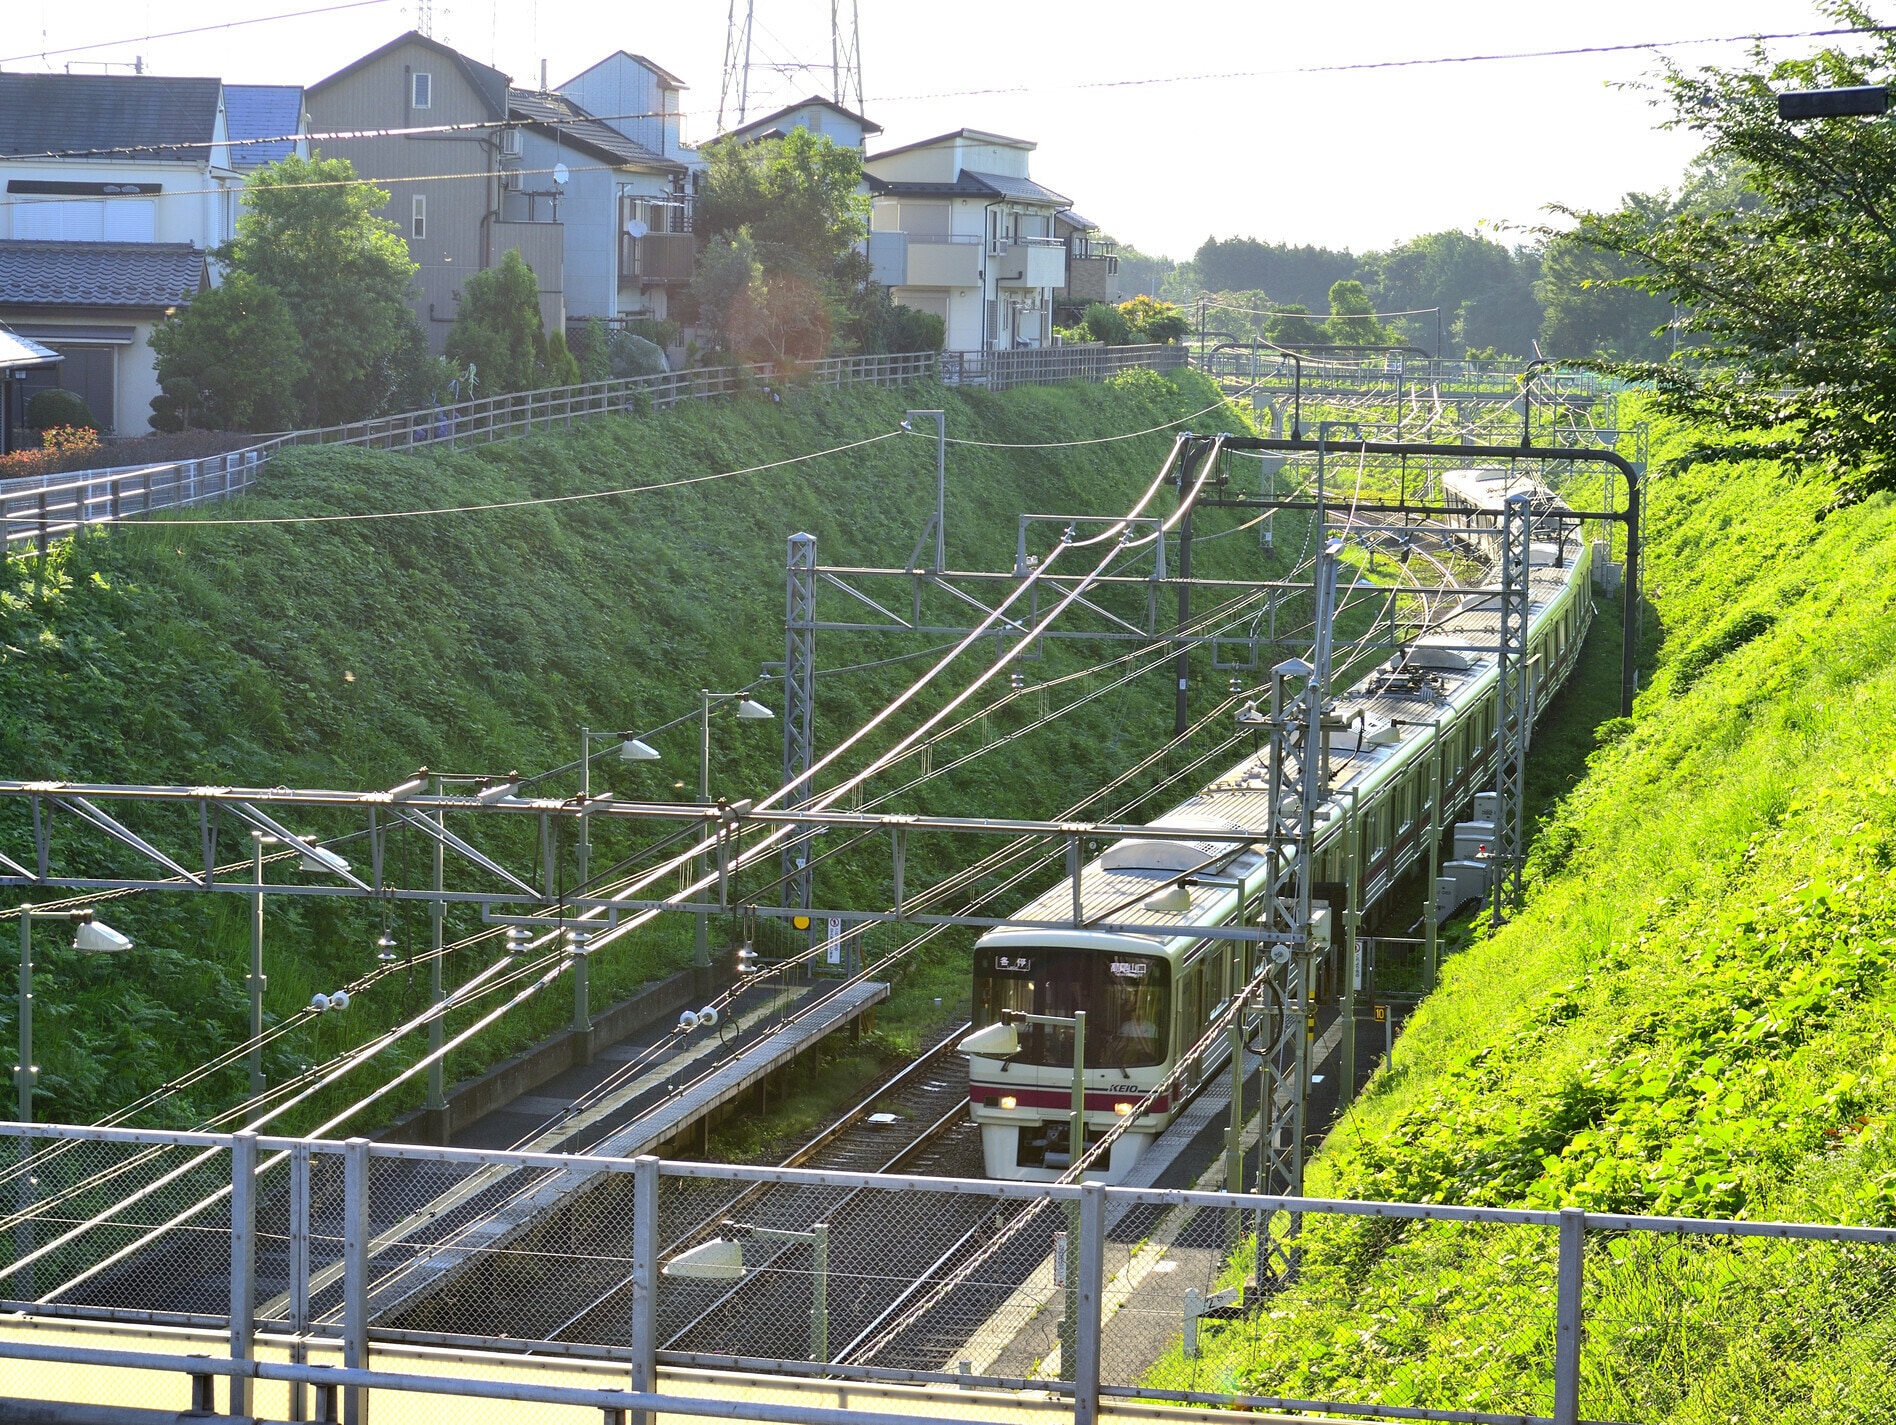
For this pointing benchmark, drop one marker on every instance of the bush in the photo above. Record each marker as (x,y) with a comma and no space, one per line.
(634,355)
(498,330)
(562,368)
(231,360)
(1107,324)
(593,348)
(57,407)
(1154,321)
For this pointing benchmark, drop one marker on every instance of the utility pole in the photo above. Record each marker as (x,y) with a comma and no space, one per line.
(1183,662)
(799,706)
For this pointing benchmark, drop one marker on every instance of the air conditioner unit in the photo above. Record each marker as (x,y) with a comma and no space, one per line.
(510,180)
(512,143)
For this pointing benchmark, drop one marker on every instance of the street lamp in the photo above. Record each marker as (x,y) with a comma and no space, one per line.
(722,1260)
(91,936)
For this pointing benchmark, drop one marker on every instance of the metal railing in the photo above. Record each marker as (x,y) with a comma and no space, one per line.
(320,1266)
(36,510)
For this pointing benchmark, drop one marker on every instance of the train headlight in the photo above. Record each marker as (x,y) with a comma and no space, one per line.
(1122,1109)
(1009,1101)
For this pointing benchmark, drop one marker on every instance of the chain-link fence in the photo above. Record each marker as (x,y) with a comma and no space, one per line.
(307,1264)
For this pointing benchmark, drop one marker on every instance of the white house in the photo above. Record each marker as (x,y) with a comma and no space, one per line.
(958,228)
(117,187)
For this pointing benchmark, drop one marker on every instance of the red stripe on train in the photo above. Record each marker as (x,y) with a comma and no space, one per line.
(1063,1099)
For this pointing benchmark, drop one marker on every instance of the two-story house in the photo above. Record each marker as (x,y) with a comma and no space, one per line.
(657,250)
(958,228)
(265,122)
(117,188)
(435,128)
(611,194)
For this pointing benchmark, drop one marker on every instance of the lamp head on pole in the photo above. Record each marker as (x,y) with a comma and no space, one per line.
(633,750)
(749,710)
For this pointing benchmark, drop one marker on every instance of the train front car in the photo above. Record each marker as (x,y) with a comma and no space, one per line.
(1152,983)
(1146,997)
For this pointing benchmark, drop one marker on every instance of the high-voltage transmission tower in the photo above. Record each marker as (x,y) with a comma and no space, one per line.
(739,60)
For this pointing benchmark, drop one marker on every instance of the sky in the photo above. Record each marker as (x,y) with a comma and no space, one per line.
(1164,123)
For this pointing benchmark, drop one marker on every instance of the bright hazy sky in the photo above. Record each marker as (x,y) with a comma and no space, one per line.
(1359,159)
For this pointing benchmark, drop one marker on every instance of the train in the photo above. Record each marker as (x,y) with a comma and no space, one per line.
(1150,994)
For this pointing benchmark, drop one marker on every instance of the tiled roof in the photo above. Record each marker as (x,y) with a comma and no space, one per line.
(575,125)
(150,275)
(974,185)
(262,111)
(171,120)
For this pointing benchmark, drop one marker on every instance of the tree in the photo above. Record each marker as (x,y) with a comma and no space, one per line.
(1300,275)
(231,360)
(498,330)
(785,217)
(309,231)
(1154,321)
(1591,307)
(1352,316)
(1785,297)
(1483,291)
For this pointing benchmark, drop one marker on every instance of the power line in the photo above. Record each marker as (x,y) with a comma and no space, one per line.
(194,30)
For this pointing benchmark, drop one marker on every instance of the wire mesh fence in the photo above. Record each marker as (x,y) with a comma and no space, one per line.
(771,1276)
(1738,1328)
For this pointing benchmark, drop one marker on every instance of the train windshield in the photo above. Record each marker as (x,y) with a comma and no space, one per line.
(1126,999)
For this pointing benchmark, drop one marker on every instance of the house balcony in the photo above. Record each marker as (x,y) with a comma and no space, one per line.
(1033,262)
(1093,279)
(925,260)
(657,258)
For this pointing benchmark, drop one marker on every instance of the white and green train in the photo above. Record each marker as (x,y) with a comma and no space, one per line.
(1149,994)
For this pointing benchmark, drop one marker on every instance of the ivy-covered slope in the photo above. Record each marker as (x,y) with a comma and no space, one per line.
(1694,1015)
(349,653)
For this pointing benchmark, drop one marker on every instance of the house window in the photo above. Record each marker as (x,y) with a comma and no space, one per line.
(418,225)
(424,93)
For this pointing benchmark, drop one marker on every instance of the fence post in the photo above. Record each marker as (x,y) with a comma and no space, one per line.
(1091,1274)
(1567,1328)
(243,1262)
(644,1278)
(299,1271)
(355,1276)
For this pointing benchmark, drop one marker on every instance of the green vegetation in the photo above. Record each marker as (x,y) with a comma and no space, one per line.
(231,360)
(1693,1015)
(55,407)
(498,332)
(347,654)
(1783,270)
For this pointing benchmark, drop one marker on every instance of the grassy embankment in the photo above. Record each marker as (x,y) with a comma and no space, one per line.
(1693,1016)
(347,654)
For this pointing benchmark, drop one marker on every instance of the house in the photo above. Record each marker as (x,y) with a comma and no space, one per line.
(450,190)
(844,127)
(265,122)
(1092,268)
(642,101)
(117,188)
(958,228)
(623,205)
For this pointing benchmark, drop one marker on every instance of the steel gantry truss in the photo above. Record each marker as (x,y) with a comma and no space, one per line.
(1515,720)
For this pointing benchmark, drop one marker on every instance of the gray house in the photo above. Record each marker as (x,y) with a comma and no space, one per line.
(450,189)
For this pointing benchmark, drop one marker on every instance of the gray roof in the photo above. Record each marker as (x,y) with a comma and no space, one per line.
(554,111)
(972,184)
(262,111)
(144,116)
(149,275)
(1024,189)
(16,351)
